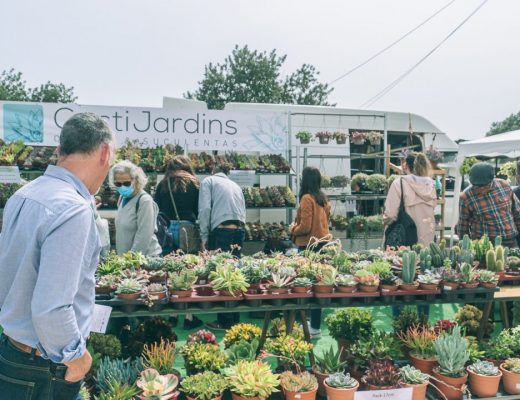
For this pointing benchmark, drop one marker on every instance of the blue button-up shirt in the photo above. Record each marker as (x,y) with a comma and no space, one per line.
(49,250)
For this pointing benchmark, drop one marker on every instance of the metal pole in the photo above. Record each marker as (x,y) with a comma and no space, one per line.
(385,146)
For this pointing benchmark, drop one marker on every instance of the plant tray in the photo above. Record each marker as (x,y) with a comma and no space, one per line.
(470,294)
(410,295)
(346,299)
(255,300)
(129,306)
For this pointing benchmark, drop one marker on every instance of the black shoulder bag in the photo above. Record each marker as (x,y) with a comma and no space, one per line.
(403,231)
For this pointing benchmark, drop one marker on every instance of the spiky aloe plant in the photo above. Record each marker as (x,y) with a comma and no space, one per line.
(330,361)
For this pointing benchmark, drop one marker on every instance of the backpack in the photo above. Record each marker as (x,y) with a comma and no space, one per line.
(403,231)
(163,233)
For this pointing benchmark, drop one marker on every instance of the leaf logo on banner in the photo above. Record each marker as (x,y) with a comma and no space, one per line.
(23,122)
(270,133)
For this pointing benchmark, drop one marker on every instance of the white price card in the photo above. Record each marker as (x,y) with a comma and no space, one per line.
(100,318)
(243,178)
(395,394)
(10,174)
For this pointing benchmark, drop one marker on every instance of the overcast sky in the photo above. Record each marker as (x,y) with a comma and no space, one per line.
(127,52)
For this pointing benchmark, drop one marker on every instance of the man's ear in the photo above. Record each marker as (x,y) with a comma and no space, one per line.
(105,154)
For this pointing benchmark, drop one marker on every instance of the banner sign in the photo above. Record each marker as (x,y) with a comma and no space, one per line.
(40,124)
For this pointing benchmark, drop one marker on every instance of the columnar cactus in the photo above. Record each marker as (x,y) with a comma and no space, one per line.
(409,263)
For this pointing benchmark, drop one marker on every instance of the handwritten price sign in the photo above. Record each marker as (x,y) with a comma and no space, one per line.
(394,394)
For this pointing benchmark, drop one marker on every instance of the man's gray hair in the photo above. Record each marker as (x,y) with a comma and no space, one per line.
(84,133)
(127,167)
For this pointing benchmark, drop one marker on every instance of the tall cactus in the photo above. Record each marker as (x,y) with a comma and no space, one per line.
(500,258)
(491,260)
(466,256)
(436,253)
(409,262)
(425,260)
(466,243)
(498,241)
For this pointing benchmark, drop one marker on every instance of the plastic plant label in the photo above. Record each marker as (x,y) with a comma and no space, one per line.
(447,288)
(100,318)
(394,394)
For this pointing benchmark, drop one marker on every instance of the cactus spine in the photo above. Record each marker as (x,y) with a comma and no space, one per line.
(409,262)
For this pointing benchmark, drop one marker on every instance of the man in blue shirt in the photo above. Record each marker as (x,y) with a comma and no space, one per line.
(49,250)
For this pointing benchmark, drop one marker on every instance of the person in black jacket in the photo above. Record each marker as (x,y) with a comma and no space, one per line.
(185,191)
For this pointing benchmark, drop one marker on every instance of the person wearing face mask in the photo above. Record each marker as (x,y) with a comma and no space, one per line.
(49,251)
(136,218)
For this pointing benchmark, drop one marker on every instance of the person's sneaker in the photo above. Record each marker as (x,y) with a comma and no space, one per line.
(315,333)
(194,323)
(216,326)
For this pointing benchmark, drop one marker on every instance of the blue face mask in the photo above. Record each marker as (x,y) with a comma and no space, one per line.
(125,191)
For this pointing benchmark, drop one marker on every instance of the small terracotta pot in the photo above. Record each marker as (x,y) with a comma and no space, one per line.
(409,286)
(323,288)
(279,290)
(389,288)
(451,285)
(311,395)
(455,390)
(340,394)
(238,397)
(368,386)
(300,289)
(426,366)
(194,398)
(471,285)
(346,289)
(482,385)
(368,289)
(418,391)
(511,381)
(428,286)
(104,290)
(488,285)
(157,295)
(129,296)
(181,293)
(321,381)
(204,291)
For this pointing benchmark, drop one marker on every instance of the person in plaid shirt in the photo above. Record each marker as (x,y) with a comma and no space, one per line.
(489,207)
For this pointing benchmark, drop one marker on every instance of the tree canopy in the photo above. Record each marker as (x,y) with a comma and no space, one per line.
(14,88)
(511,123)
(252,76)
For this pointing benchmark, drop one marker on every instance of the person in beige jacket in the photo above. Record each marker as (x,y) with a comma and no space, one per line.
(420,197)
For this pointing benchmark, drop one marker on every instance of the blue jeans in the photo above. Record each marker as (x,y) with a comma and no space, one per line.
(24,376)
(224,239)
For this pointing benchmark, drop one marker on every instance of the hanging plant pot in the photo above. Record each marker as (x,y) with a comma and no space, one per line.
(324,140)
(305,141)
(341,140)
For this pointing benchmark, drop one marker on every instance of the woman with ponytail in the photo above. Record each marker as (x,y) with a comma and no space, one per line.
(420,197)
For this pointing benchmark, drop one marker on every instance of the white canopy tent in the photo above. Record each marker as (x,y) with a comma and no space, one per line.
(502,145)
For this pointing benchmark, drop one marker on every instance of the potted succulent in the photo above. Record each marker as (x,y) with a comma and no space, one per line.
(487,279)
(345,283)
(340,137)
(181,283)
(409,269)
(468,276)
(204,386)
(304,136)
(429,280)
(375,138)
(450,279)
(511,371)
(289,350)
(348,325)
(340,386)
(358,138)
(359,182)
(324,137)
(414,378)
(452,355)
(388,281)
(325,279)
(156,291)
(298,386)
(251,380)
(368,281)
(254,272)
(419,341)
(241,332)
(228,280)
(129,289)
(497,351)
(200,357)
(328,363)
(376,183)
(155,386)
(157,276)
(484,378)
(301,285)
(106,284)
(381,375)
(279,284)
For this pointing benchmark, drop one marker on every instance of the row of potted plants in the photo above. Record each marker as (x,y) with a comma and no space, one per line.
(356,138)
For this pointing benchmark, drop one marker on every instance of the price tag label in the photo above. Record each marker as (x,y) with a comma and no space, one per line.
(10,174)
(395,394)
(243,178)
(100,318)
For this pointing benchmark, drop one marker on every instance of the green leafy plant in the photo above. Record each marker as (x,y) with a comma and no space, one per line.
(122,372)
(429,278)
(302,282)
(408,318)
(160,356)
(366,278)
(242,350)
(326,275)
(379,267)
(341,381)
(469,317)
(359,180)
(350,323)
(204,386)
(376,183)
(484,368)
(129,286)
(467,164)
(377,346)
(468,273)
(241,332)
(513,365)
(203,357)
(279,281)
(183,280)
(155,386)
(299,382)
(227,277)
(330,361)
(290,347)
(252,379)
(118,391)
(452,353)
(304,135)
(105,345)
(413,376)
